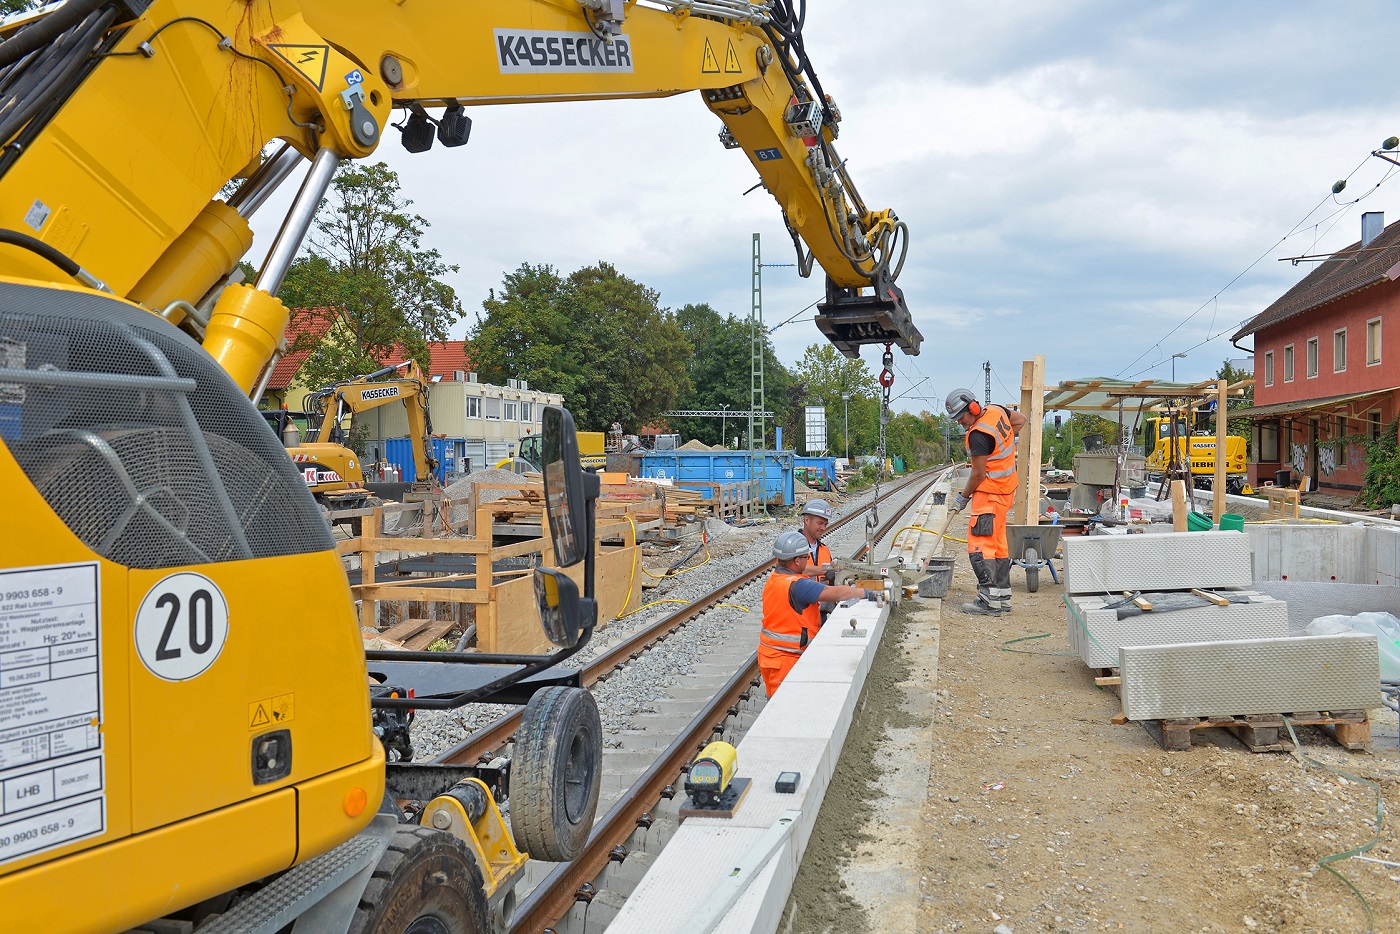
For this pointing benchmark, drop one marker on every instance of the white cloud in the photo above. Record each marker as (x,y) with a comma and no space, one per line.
(1078,178)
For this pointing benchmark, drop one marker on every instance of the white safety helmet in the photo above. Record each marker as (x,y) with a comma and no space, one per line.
(958,402)
(789,545)
(817,507)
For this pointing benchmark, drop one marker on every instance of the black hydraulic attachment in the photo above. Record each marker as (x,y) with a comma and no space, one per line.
(851,318)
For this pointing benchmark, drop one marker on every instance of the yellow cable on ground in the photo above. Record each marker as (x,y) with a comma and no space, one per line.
(920,528)
(653,603)
(733,606)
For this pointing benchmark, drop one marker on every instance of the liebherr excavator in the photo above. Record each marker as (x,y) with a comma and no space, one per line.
(184,732)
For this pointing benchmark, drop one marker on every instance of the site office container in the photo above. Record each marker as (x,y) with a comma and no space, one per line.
(777,483)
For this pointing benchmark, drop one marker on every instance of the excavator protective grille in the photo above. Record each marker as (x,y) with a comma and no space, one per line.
(138,441)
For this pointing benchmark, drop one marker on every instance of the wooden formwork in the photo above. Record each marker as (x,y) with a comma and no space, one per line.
(501,600)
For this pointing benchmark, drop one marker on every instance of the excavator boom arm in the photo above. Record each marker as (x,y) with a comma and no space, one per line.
(190,92)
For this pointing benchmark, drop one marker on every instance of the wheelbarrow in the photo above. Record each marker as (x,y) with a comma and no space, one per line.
(1031,547)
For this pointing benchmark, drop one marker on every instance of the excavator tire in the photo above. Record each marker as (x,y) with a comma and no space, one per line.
(427,882)
(555,773)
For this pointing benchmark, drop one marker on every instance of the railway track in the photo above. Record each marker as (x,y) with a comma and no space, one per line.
(567,884)
(495,735)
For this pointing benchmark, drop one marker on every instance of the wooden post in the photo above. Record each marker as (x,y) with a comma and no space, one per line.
(1222,422)
(1027,511)
(1179,506)
(368,605)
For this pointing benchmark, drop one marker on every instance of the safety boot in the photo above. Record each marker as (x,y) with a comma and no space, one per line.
(982,606)
(986,603)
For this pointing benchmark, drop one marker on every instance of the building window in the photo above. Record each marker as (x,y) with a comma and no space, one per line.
(1268,444)
(473,406)
(492,407)
(1373,425)
(1312,357)
(1269,368)
(512,410)
(1373,342)
(1339,435)
(1288,364)
(1339,350)
(527,412)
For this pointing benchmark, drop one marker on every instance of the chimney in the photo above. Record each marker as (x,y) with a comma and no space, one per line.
(1372,223)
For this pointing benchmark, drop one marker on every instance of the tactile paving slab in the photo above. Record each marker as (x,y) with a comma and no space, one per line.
(1262,618)
(1157,561)
(1252,676)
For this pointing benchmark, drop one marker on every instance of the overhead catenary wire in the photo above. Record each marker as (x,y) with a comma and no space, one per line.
(1262,256)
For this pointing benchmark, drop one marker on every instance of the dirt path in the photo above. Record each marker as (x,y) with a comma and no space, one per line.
(1041,815)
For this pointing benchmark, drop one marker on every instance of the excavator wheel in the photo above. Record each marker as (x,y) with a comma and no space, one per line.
(555,773)
(427,882)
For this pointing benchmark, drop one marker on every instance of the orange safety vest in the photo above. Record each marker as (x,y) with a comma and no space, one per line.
(784,629)
(823,554)
(1001,464)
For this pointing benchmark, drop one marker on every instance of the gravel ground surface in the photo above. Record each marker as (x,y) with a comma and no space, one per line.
(624,696)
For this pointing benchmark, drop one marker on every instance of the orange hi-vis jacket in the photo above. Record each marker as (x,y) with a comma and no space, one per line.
(823,554)
(1001,464)
(784,629)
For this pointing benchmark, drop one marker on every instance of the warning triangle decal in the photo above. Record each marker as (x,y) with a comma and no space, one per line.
(731,60)
(310,60)
(259,717)
(709,65)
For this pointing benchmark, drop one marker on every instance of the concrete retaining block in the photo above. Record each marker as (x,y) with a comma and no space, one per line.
(802,728)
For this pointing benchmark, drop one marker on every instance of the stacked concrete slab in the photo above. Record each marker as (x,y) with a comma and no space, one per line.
(1157,561)
(1254,676)
(1098,569)
(1207,660)
(1254,616)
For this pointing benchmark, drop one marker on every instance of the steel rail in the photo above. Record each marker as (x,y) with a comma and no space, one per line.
(499,731)
(558,891)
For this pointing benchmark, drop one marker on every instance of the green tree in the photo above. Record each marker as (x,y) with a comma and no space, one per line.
(828,377)
(1244,427)
(719,374)
(597,337)
(368,276)
(525,332)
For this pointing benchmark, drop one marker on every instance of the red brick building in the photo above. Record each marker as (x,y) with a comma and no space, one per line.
(1327,365)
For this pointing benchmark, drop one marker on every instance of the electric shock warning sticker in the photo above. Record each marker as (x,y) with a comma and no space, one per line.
(51,758)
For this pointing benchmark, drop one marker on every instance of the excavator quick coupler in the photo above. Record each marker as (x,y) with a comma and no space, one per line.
(850,319)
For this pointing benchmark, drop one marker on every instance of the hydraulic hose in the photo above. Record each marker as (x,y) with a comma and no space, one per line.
(41,32)
(33,245)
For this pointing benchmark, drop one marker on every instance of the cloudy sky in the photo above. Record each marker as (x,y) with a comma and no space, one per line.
(1080,178)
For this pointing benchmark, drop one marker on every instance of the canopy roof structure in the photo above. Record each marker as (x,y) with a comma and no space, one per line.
(1105,394)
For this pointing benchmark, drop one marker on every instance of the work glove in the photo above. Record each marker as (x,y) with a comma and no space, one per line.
(960,502)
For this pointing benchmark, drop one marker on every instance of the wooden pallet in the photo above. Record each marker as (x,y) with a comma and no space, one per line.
(1265,732)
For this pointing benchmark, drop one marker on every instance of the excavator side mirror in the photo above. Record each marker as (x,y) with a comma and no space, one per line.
(565,501)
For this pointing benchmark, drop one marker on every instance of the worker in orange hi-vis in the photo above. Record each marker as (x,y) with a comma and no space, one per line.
(791,614)
(990,438)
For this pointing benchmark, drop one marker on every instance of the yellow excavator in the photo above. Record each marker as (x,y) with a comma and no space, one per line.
(192,729)
(1173,449)
(333,472)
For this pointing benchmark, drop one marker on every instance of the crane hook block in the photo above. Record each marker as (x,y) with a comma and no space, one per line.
(851,320)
